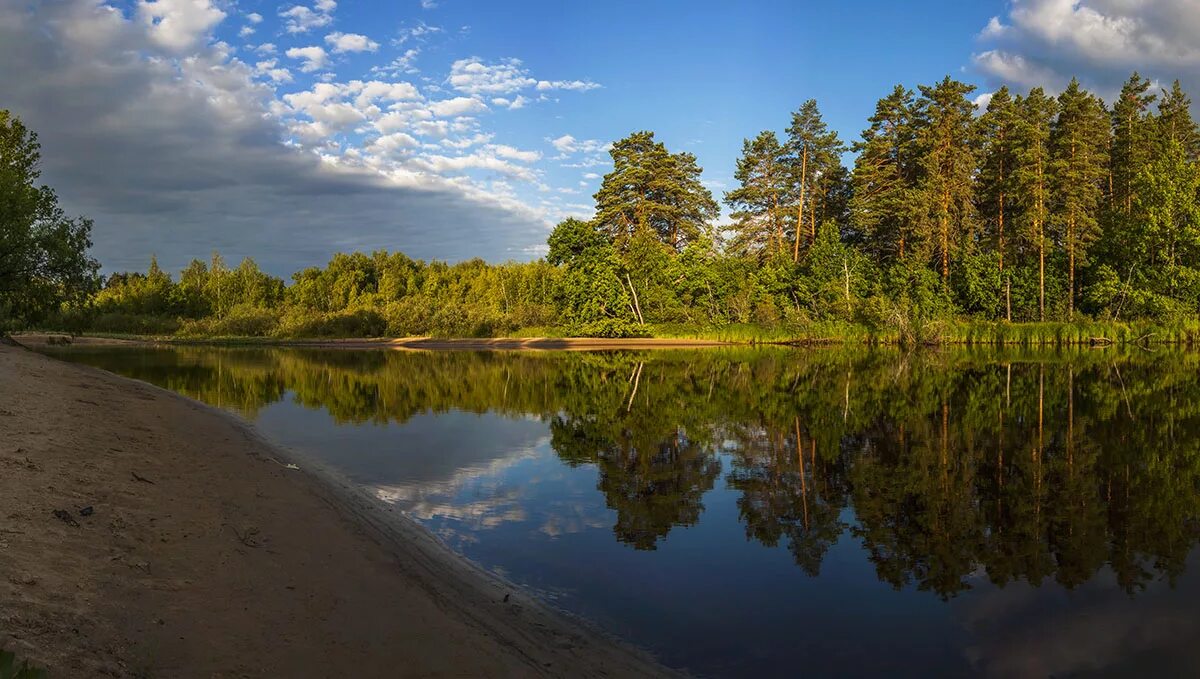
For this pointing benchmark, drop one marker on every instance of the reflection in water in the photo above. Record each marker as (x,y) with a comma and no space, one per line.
(948,471)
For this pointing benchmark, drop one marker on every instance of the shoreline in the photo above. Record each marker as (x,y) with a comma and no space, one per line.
(34,339)
(207,555)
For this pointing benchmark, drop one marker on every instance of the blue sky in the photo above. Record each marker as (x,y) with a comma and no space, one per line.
(451,129)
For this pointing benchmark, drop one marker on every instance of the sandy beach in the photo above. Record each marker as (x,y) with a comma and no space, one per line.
(148,535)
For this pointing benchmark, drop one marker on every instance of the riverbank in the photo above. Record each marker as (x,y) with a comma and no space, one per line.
(953,332)
(403,343)
(146,534)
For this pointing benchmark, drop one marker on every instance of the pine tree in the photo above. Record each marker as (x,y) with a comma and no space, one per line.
(883,181)
(1175,124)
(1132,140)
(650,188)
(758,219)
(814,156)
(994,190)
(1030,178)
(946,154)
(1078,147)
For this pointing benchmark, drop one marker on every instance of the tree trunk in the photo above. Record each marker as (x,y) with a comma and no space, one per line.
(1008,299)
(800,210)
(1000,244)
(945,235)
(812,216)
(1041,275)
(1071,268)
(636,306)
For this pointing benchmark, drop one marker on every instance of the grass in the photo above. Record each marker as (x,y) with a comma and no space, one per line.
(964,332)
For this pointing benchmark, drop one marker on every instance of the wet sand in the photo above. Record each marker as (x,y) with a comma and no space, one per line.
(205,555)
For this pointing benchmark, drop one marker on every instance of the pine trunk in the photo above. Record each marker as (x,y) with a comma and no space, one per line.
(800,211)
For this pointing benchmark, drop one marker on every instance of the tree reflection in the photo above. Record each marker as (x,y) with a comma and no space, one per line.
(947,467)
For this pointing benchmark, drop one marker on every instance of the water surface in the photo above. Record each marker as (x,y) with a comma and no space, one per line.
(778,512)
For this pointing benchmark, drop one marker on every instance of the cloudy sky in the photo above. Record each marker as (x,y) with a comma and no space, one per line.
(452,129)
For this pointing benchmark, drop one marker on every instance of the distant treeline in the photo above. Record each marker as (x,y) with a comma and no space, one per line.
(1036,208)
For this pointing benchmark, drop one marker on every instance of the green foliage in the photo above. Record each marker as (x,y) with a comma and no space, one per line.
(652,189)
(44,263)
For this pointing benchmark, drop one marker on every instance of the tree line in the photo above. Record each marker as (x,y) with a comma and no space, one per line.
(1020,208)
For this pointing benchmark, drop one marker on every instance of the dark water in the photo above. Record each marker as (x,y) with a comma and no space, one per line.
(780,512)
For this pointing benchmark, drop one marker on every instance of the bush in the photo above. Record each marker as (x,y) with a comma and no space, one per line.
(609,327)
(359,323)
(242,321)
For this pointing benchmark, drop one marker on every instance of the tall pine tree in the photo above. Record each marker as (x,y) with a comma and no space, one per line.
(758,201)
(814,154)
(994,183)
(1132,143)
(1078,147)
(1031,181)
(882,208)
(652,189)
(946,155)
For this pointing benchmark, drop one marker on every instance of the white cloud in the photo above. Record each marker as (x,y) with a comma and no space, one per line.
(473,76)
(246,32)
(350,42)
(401,64)
(568,144)
(178,25)
(457,106)
(428,4)
(1046,42)
(314,57)
(575,85)
(301,19)
(230,182)
(504,78)
(269,68)
(481,160)
(512,153)
(418,32)
(254,18)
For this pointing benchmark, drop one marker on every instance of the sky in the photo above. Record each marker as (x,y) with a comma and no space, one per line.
(452,129)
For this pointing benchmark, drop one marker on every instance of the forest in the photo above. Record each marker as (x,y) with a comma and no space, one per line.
(953,216)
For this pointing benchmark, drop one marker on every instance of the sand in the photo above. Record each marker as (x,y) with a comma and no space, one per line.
(204,555)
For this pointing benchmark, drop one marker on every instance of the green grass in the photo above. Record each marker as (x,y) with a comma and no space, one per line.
(964,332)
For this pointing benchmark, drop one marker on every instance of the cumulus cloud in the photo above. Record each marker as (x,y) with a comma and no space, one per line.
(1046,42)
(314,58)
(456,107)
(350,42)
(179,25)
(270,69)
(179,155)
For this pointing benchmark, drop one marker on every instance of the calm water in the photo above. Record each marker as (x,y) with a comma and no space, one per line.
(780,512)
